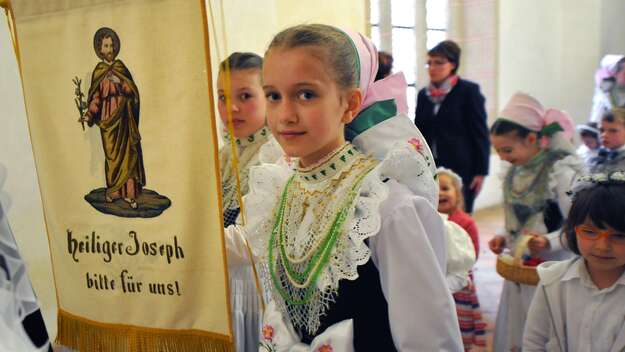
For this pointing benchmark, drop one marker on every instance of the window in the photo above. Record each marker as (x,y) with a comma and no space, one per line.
(394,28)
(436,22)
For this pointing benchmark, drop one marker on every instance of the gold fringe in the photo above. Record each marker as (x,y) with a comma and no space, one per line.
(87,335)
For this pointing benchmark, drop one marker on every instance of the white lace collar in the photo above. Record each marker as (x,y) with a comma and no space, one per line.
(403,164)
(329,166)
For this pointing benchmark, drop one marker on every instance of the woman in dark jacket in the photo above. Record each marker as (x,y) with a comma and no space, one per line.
(451,115)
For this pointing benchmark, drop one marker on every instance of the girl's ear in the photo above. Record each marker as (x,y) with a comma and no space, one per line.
(354,100)
(532,138)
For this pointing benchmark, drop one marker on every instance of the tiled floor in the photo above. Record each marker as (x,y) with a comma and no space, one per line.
(487,281)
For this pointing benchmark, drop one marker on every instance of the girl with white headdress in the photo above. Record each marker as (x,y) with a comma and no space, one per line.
(578,304)
(536,142)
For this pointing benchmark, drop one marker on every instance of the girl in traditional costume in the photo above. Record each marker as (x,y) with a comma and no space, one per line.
(578,305)
(239,77)
(351,247)
(537,144)
(451,203)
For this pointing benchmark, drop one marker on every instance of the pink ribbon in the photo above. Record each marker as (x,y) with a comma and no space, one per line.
(391,87)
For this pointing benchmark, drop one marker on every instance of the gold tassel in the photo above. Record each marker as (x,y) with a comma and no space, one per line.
(87,335)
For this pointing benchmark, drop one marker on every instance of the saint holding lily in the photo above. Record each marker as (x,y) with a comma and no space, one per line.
(113,105)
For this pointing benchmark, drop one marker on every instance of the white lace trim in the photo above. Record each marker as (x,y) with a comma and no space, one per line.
(267,182)
(404,163)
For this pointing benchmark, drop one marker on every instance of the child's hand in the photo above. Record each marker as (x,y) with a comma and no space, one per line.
(538,243)
(497,244)
(470,285)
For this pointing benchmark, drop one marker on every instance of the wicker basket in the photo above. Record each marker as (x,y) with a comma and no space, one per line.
(517,272)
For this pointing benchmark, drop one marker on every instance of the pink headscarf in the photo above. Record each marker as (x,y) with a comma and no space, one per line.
(528,112)
(390,87)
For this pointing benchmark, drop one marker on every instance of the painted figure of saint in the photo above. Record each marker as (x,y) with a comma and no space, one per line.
(113,105)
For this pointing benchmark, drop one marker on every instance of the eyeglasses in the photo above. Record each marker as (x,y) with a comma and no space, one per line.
(593,233)
(436,62)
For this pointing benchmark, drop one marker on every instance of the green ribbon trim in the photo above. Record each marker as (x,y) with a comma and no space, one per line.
(550,129)
(503,118)
(369,117)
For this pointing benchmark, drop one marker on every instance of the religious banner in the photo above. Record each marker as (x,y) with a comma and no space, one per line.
(119,103)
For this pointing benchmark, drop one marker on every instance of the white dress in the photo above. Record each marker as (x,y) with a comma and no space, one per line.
(516,298)
(406,242)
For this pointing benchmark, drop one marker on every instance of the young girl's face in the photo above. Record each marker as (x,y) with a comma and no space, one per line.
(612,133)
(514,149)
(247,101)
(447,195)
(306,109)
(602,254)
(589,141)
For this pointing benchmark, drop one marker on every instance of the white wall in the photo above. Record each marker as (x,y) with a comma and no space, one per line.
(550,49)
(612,29)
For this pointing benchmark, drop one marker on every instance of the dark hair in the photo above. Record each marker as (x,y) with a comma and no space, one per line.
(603,204)
(449,50)
(614,115)
(593,132)
(385,65)
(333,46)
(242,61)
(586,133)
(620,64)
(100,35)
(503,126)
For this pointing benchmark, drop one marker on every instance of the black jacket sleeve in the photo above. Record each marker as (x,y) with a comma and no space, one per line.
(476,122)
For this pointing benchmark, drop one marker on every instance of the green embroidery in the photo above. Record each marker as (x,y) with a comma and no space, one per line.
(320,258)
(369,117)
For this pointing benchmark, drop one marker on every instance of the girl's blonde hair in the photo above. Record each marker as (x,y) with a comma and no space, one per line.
(456,181)
(336,50)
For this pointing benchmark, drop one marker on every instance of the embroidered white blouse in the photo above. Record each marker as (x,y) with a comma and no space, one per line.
(569,313)
(407,244)
(421,312)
